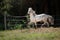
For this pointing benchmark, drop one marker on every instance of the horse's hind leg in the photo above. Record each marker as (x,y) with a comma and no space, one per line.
(47,24)
(43,25)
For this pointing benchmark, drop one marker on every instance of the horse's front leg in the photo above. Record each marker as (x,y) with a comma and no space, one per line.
(36,25)
(28,25)
(33,25)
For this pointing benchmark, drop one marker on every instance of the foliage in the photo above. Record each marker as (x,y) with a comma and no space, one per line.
(17,25)
(21,25)
(1,26)
(11,7)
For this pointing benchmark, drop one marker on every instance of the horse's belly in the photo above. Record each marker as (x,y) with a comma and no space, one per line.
(39,19)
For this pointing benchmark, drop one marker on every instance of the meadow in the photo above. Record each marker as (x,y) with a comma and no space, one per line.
(31,34)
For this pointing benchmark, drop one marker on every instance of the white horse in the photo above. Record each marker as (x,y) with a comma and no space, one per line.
(34,18)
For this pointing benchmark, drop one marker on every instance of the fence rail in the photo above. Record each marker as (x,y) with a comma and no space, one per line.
(12,21)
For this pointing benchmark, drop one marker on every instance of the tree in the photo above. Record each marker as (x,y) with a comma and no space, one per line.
(5,7)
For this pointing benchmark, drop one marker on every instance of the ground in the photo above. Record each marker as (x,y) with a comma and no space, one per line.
(31,34)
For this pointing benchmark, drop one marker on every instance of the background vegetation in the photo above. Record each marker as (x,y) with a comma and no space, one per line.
(20,7)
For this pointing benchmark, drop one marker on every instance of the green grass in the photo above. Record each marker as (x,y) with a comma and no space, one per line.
(26,34)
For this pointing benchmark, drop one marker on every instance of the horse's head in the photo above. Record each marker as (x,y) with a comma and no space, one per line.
(31,11)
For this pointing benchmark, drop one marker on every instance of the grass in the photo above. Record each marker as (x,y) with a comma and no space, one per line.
(31,34)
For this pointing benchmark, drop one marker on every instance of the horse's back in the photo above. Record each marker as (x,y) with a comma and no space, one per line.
(40,17)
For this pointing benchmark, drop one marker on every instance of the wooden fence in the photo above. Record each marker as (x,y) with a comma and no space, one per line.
(11,21)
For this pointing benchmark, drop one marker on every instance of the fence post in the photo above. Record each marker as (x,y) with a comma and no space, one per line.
(5,20)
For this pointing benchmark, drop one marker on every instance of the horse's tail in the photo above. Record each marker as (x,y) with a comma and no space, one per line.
(51,20)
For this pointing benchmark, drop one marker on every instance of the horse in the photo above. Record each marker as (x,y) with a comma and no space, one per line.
(34,18)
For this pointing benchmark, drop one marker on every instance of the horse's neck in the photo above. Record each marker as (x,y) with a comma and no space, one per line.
(32,16)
